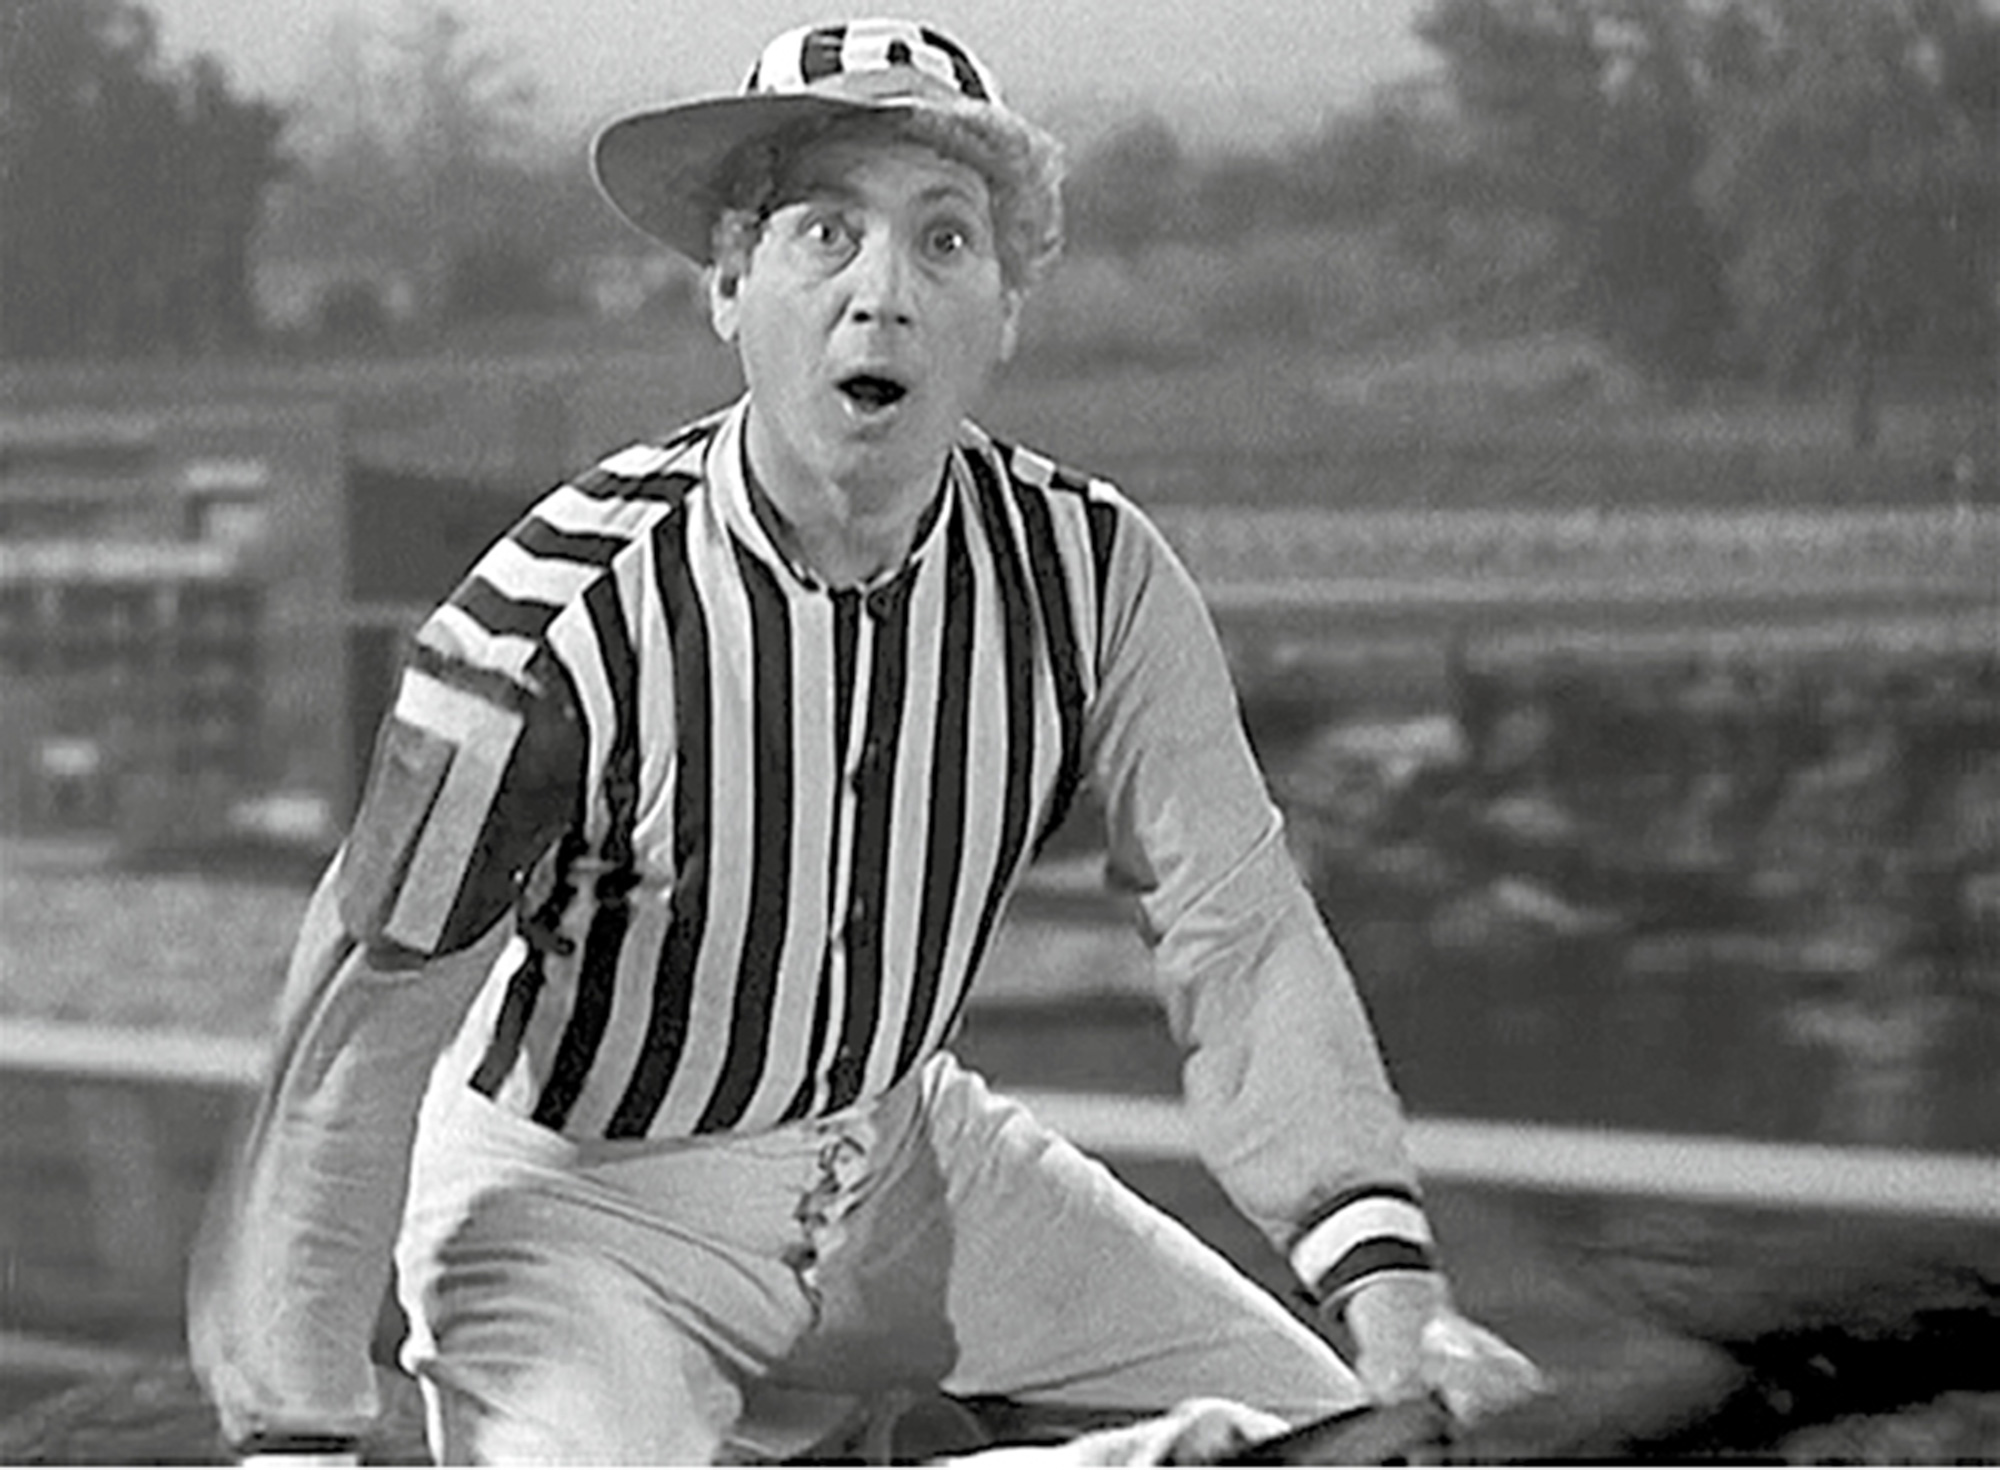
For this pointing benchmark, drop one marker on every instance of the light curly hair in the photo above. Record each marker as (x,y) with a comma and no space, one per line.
(1021,164)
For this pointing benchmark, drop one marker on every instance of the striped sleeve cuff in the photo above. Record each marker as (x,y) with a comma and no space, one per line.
(1363,1234)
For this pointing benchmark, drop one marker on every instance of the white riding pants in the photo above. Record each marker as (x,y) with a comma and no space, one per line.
(622,1303)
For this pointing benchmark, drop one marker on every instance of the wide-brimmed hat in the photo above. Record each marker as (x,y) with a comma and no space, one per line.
(662,168)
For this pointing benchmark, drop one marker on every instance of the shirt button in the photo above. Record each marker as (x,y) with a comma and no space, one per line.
(881,603)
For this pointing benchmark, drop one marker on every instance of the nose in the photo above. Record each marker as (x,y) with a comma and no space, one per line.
(879,282)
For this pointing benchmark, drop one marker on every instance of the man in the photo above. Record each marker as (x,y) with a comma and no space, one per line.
(694,815)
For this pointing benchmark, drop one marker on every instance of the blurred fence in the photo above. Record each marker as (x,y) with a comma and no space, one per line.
(1516,551)
(1600,1161)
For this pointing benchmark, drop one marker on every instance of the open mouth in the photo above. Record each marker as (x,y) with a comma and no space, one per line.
(871,392)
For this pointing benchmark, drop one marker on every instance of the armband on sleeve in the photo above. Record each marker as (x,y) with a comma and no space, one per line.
(473,777)
(1367,1233)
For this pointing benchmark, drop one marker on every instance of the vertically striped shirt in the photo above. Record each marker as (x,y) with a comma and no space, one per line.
(793,812)
(759,831)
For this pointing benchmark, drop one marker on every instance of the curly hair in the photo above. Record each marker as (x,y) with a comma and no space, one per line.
(1022,166)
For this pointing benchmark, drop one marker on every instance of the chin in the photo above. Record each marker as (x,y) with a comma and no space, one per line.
(894,448)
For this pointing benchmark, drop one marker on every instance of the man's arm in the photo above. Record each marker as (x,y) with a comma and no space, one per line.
(472,779)
(294,1257)
(1290,1104)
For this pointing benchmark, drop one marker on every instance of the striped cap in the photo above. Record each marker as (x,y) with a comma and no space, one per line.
(659,167)
(884,58)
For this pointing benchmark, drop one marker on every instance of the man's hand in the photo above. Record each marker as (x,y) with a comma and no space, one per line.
(1410,1340)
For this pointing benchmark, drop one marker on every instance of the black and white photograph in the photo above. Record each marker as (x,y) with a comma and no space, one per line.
(999,733)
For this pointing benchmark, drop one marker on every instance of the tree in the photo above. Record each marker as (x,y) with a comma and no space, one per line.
(1383,164)
(228,158)
(128,191)
(1237,194)
(1856,166)
(421,155)
(1587,114)
(1129,191)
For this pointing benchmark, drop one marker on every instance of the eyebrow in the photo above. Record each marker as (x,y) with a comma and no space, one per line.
(948,191)
(806,187)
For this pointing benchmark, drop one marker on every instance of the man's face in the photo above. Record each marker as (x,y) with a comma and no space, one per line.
(869,315)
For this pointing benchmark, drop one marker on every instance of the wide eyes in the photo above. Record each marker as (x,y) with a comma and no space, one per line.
(832,236)
(827,233)
(947,240)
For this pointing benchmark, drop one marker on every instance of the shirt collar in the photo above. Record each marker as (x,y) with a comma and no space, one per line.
(749,515)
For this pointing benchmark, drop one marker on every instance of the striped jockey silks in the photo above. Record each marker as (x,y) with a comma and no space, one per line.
(797,809)
(758,832)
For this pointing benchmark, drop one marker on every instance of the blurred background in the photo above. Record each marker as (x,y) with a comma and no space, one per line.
(1583,417)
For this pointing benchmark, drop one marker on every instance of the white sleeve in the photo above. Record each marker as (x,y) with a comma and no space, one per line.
(1291,1106)
(289,1271)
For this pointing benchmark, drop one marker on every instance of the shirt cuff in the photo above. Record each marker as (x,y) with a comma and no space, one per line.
(298,1449)
(1363,1235)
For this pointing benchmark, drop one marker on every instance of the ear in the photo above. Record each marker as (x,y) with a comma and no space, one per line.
(1010,323)
(724,282)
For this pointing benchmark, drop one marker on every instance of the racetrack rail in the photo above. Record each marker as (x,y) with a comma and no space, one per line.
(1512,1155)
(1541,1157)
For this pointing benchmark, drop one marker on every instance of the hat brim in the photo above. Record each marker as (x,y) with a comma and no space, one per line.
(658,168)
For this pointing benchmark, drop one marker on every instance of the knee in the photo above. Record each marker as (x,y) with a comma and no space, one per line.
(649,1411)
